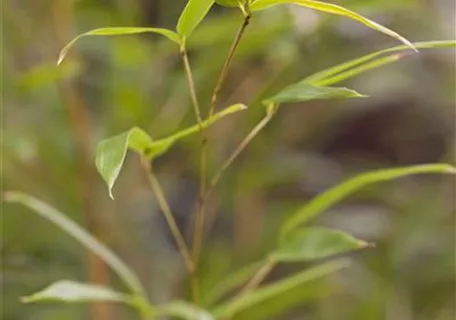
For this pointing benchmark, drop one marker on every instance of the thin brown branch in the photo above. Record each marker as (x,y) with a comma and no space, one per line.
(165,208)
(244,143)
(258,277)
(201,212)
(222,77)
(203,165)
(191,83)
(255,281)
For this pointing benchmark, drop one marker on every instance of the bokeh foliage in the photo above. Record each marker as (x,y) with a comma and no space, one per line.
(138,80)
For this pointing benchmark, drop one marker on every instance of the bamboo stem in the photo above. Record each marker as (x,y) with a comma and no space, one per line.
(222,77)
(81,129)
(258,277)
(191,82)
(165,208)
(201,213)
(244,143)
(202,187)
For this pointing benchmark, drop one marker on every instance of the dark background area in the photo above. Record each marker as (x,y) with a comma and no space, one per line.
(54,116)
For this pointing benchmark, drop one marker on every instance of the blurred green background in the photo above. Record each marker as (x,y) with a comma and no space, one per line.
(53,117)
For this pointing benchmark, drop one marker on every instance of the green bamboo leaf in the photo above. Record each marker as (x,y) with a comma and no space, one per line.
(117,31)
(275,289)
(75,292)
(302,91)
(377,63)
(229,3)
(111,153)
(337,193)
(232,281)
(194,12)
(184,310)
(160,146)
(333,9)
(322,77)
(315,243)
(82,236)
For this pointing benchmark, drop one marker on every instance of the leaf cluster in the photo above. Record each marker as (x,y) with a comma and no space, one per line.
(296,243)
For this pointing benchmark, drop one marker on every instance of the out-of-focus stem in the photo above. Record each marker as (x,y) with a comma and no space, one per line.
(221,79)
(258,277)
(171,221)
(165,208)
(244,143)
(201,212)
(202,187)
(81,128)
(191,82)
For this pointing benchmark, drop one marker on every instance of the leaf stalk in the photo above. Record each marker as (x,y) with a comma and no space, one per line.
(164,206)
(201,212)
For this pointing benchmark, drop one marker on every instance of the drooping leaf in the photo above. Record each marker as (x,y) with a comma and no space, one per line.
(333,9)
(184,310)
(232,281)
(74,292)
(81,235)
(337,193)
(160,146)
(117,31)
(111,153)
(194,12)
(321,78)
(302,91)
(277,288)
(315,243)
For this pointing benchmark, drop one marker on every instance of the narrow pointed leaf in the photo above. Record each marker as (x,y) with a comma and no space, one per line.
(321,77)
(111,153)
(160,146)
(302,91)
(337,193)
(315,243)
(117,31)
(81,235)
(377,63)
(194,12)
(184,310)
(229,3)
(74,292)
(275,289)
(333,9)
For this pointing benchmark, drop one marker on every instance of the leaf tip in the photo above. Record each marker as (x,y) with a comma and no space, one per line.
(409,44)
(110,194)
(62,55)
(10,196)
(371,245)
(26,299)
(451,169)
(364,244)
